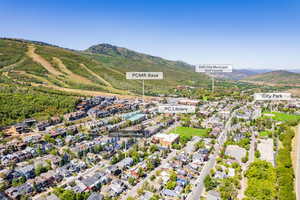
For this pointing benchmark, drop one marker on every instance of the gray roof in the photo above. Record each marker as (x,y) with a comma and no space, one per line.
(95,196)
(2,196)
(125,162)
(25,169)
(169,193)
(89,181)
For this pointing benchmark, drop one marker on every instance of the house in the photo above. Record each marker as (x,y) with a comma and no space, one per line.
(231,172)
(215,132)
(178,189)
(125,163)
(96,196)
(18,128)
(90,183)
(76,165)
(165,139)
(181,172)
(46,180)
(151,130)
(32,138)
(75,115)
(41,126)
(220,175)
(26,171)
(189,102)
(55,160)
(63,171)
(200,157)
(58,132)
(114,170)
(182,182)
(146,196)
(5,173)
(86,104)
(169,193)
(117,187)
(94,181)
(2,196)
(52,196)
(17,192)
(79,188)
(183,159)
(29,122)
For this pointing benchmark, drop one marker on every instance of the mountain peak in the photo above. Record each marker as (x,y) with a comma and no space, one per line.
(112,50)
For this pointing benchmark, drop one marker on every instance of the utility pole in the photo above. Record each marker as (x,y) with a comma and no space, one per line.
(143,90)
(175,122)
(212,83)
(212,69)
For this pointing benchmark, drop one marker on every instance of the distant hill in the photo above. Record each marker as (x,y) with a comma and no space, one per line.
(281,77)
(236,74)
(99,69)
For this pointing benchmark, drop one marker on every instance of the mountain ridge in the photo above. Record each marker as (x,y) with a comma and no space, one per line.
(282,77)
(95,69)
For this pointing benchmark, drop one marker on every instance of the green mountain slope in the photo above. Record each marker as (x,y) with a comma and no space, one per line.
(101,68)
(276,77)
(123,60)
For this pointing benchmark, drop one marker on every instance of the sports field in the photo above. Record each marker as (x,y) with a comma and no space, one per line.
(187,131)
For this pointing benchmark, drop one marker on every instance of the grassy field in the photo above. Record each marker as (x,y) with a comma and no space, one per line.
(284,116)
(187,131)
(264,133)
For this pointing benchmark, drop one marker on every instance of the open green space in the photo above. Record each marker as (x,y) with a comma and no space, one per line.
(188,131)
(284,116)
(264,133)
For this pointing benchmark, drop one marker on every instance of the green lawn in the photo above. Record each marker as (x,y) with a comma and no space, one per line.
(284,116)
(187,131)
(264,133)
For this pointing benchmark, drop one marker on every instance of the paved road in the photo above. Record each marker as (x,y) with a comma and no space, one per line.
(199,185)
(246,165)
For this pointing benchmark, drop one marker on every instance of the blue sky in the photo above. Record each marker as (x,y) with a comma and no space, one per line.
(247,34)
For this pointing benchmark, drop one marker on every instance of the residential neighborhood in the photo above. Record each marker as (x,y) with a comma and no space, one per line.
(122,148)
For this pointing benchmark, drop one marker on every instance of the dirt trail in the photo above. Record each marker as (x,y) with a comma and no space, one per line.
(108,85)
(72,76)
(96,75)
(39,59)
